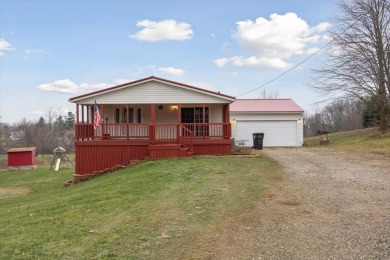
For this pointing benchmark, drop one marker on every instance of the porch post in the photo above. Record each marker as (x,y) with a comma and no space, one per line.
(88,108)
(203,120)
(82,113)
(103,121)
(152,136)
(77,122)
(179,114)
(178,122)
(226,121)
(227,113)
(204,114)
(127,120)
(77,113)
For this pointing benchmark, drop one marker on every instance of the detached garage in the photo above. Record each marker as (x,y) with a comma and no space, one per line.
(279,119)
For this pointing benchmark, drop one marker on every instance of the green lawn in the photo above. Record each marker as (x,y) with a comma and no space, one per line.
(157,210)
(363,140)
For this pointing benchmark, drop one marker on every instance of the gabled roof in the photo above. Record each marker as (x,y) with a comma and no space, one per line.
(22,149)
(148,79)
(265,106)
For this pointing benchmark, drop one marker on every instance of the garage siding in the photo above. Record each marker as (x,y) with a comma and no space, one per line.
(276,133)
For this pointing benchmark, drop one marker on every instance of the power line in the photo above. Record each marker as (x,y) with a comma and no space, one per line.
(297,65)
(287,71)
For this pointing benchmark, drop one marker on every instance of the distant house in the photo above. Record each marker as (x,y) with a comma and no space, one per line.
(150,118)
(280,120)
(17,135)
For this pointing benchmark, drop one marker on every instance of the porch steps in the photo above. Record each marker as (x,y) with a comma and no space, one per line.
(160,151)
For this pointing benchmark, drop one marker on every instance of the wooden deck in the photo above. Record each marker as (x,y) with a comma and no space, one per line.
(117,144)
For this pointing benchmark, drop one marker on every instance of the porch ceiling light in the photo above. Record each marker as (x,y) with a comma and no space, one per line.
(174,107)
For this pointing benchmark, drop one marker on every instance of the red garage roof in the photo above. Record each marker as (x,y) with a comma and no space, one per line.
(265,105)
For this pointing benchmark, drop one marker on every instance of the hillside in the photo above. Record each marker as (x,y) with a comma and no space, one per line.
(362,140)
(165,209)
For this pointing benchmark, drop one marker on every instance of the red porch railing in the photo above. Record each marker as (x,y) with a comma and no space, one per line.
(155,133)
(187,137)
(112,131)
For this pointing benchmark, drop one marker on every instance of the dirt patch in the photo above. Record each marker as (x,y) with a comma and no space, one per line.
(328,205)
(6,192)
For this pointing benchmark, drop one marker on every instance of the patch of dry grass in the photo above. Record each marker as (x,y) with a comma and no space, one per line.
(364,140)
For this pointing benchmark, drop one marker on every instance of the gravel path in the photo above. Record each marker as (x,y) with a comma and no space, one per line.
(329,205)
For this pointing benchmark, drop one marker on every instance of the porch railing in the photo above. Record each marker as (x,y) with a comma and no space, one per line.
(155,133)
(112,131)
(187,137)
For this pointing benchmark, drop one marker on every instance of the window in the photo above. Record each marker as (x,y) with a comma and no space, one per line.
(192,115)
(122,118)
(139,115)
(117,115)
(131,115)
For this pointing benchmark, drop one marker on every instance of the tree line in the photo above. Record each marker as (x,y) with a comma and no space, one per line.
(358,59)
(48,132)
(342,115)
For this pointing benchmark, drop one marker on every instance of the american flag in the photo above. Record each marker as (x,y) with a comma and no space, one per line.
(96,116)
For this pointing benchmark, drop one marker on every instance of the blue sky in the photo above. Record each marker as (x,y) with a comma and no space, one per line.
(53,50)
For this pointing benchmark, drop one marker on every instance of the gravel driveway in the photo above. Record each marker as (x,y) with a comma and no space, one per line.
(329,205)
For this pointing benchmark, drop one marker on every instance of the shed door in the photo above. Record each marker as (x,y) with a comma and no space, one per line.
(276,133)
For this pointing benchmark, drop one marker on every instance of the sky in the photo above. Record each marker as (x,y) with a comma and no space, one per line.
(52,50)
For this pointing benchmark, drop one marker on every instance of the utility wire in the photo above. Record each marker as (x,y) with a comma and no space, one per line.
(297,65)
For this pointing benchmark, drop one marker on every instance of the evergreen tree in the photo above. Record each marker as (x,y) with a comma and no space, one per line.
(70,121)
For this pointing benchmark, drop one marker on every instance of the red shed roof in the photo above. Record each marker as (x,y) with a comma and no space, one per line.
(265,105)
(22,149)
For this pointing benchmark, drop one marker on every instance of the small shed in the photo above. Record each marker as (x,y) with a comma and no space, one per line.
(22,158)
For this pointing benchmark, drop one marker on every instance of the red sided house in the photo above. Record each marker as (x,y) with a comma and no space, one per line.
(149,118)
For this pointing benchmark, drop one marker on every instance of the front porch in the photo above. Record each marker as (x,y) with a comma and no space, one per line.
(149,118)
(117,144)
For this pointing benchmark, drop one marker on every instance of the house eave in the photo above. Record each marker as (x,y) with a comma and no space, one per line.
(77,99)
(267,112)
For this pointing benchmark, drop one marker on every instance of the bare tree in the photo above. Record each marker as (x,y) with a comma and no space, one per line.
(269,94)
(51,115)
(339,115)
(359,57)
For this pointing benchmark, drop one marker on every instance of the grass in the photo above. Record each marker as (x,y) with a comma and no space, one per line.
(41,159)
(363,140)
(162,209)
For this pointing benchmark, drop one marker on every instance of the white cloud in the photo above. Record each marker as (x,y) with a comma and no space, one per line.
(270,43)
(5,46)
(69,87)
(259,62)
(322,27)
(172,71)
(163,31)
(221,62)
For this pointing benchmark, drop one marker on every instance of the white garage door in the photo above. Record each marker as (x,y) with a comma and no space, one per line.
(276,133)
